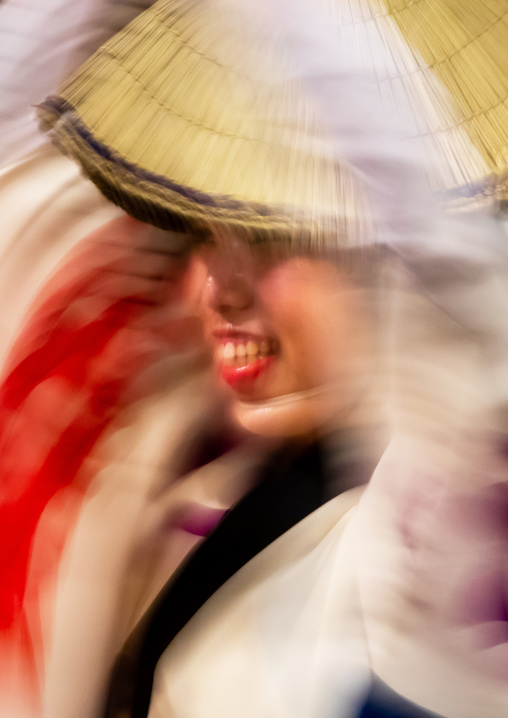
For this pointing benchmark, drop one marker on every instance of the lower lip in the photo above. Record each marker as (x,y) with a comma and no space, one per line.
(243,378)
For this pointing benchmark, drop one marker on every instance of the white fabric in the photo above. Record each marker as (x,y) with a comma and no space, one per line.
(295,631)
(417,549)
(283,638)
(104,569)
(41,43)
(123,548)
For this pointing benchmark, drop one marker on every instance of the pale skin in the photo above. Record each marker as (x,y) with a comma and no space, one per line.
(289,336)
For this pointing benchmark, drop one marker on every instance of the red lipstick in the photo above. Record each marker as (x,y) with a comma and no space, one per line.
(241,378)
(243,357)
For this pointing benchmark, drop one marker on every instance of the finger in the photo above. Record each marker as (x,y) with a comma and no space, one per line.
(147,264)
(130,233)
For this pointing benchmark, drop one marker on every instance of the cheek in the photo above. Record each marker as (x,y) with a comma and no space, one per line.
(195,285)
(311,314)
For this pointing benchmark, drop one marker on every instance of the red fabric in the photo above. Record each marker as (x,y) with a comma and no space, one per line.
(98,323)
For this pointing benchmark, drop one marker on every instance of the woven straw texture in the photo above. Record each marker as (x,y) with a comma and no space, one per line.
(442,65)
(183,122)
(183,125)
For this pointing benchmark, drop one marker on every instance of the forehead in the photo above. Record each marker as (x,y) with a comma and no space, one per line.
(245,244)
(360,265)
(226,245)
(269,267)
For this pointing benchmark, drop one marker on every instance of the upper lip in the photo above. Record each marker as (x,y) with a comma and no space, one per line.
(230,333)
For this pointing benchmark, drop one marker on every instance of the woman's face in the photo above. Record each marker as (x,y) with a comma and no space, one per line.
(286,335)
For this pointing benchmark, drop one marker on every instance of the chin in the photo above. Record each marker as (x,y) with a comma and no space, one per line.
(301,414)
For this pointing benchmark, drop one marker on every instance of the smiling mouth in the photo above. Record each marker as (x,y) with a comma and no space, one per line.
(238,353)
(243,360)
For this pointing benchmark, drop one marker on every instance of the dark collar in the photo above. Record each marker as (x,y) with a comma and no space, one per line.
(291,486)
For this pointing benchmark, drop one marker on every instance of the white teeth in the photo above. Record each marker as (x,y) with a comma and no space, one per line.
(252,348)
(229,351)
(241,354)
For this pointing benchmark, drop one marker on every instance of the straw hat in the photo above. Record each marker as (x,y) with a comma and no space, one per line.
(442,66)
(184,120)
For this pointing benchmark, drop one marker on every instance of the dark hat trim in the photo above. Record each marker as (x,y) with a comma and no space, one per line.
(61,107)
(491,190)
(150,197)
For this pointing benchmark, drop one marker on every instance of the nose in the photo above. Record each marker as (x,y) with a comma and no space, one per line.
(230,285)
(228,292)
